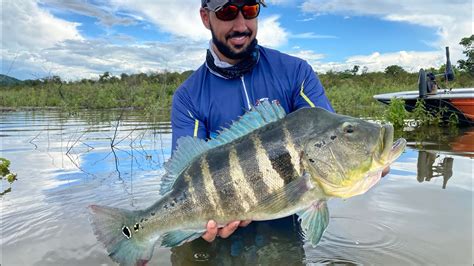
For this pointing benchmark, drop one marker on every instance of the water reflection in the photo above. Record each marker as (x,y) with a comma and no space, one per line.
(438,148)
(456,141)
(66,163)
(431,165)
(277,242)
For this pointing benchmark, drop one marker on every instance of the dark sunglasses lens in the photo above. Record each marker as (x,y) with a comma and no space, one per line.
(251,12)
(229,12)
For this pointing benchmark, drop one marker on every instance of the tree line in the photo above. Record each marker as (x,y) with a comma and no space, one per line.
(153,92)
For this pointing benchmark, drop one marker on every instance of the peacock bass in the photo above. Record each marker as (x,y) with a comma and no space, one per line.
(267,165)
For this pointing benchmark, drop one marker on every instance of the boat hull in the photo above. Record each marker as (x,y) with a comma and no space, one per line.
(457,101)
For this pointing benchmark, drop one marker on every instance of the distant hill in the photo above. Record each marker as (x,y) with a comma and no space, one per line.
(8,81)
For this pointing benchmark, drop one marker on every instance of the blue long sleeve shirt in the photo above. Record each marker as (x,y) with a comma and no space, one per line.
(207,102)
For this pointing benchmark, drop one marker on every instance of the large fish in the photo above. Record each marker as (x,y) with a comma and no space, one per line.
(267,165)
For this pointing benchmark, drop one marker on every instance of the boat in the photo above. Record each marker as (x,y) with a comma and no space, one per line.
(459,101)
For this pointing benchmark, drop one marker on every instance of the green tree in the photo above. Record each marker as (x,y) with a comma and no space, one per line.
(105,77)
(365,70)
(355,69)
(467,65)
(394,70)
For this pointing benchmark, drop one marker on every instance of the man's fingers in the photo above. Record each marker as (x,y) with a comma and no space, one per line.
(245,223)
(211,232)
(227,230)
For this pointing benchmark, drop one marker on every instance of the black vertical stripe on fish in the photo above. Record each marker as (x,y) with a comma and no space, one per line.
(210,191)
(274,143)
(219,167)
(247,194)
(197,187)
(246,152)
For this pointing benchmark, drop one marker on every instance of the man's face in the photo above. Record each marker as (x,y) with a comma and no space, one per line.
(232,38)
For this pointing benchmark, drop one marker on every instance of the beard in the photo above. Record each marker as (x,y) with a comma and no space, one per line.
(226,49)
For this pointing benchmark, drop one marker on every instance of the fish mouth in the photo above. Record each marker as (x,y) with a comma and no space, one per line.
(383,154)
(388,150)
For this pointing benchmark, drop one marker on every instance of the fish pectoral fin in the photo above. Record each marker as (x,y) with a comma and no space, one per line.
(286,196)
(314,221)
(178,237)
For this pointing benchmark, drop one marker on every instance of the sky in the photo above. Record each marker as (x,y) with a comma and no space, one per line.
(77,39)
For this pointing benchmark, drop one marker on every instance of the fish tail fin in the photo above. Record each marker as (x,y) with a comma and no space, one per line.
(112,227)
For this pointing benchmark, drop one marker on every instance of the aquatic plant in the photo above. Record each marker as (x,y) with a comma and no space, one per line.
(420,116)
(6,174)
(453,120)
(396,113)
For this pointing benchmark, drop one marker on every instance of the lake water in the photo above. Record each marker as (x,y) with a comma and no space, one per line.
(421,213)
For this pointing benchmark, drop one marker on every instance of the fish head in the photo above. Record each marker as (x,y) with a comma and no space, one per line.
(347,155)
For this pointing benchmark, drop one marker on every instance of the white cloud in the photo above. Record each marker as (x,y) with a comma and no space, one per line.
(451,20)
(410,61)
(270,32)
(310,56)
(279,2)
(180,18)
(24,26)
(103,13)
(36,42)
(87,59)
(311,35)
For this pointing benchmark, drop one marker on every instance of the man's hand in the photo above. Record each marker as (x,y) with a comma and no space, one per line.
(224,232)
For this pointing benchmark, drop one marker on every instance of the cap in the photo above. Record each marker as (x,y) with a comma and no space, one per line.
(215,5)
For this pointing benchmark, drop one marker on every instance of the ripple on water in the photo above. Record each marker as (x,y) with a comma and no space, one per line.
(369,234)
(350,241)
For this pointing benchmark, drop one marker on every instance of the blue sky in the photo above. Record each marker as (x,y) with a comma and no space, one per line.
(78,39)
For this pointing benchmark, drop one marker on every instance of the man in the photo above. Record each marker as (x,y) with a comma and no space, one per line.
(236,75)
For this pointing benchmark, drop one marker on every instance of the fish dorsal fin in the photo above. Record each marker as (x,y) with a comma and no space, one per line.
(188,148)
(262,114)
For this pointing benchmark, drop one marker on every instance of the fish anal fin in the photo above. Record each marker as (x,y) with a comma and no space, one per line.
(314,221)
(178,237)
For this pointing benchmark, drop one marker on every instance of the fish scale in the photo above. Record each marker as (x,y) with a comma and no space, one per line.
(266,166)
(246,153)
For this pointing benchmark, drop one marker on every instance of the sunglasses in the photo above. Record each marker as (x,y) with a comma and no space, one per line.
(230,11)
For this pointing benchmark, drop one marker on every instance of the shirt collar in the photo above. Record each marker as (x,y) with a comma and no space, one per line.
(217,61)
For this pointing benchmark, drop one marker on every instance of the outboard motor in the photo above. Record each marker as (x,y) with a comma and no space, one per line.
(422,84)
(448,73)
(427,81)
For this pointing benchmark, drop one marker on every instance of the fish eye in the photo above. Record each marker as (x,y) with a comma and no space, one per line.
(348,128)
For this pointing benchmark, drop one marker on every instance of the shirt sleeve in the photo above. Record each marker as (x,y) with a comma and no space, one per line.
(184,118)
(309,91)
